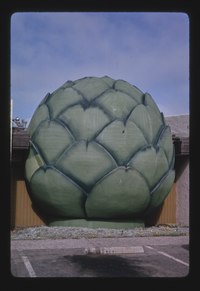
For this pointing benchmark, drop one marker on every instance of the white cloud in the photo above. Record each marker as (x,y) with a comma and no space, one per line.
(147,50)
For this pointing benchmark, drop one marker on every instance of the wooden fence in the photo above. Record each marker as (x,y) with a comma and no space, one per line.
(23,215)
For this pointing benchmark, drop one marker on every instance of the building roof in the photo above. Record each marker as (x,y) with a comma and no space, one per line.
(179,127)
(179,124)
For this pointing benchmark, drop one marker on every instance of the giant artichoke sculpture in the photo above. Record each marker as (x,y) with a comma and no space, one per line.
(99,151)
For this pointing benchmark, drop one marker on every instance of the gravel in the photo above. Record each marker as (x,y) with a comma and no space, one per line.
(45,232)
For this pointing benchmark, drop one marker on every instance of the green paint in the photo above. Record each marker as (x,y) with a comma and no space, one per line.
(100,155)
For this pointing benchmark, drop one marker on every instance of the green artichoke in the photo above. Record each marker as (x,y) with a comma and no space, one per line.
(99,150)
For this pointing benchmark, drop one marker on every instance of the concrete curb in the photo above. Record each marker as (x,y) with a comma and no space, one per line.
(115,250)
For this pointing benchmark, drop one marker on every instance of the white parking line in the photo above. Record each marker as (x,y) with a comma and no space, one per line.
(28,266)
(169,256)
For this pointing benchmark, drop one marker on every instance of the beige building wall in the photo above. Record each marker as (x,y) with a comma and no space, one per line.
(180,127)
(182,198)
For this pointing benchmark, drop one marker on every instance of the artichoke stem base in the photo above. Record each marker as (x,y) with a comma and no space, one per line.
(116,224)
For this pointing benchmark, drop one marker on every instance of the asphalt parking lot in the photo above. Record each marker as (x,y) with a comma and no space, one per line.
(125,257)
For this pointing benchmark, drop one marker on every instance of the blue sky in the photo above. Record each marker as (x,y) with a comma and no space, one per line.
(149,50)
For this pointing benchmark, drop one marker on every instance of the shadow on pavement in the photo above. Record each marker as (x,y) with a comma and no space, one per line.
(107,266)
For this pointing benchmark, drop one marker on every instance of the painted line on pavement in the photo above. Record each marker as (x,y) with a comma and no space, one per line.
(169,256)
(28,266)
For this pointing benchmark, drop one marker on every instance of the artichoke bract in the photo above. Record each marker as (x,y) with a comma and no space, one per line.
(100,152)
